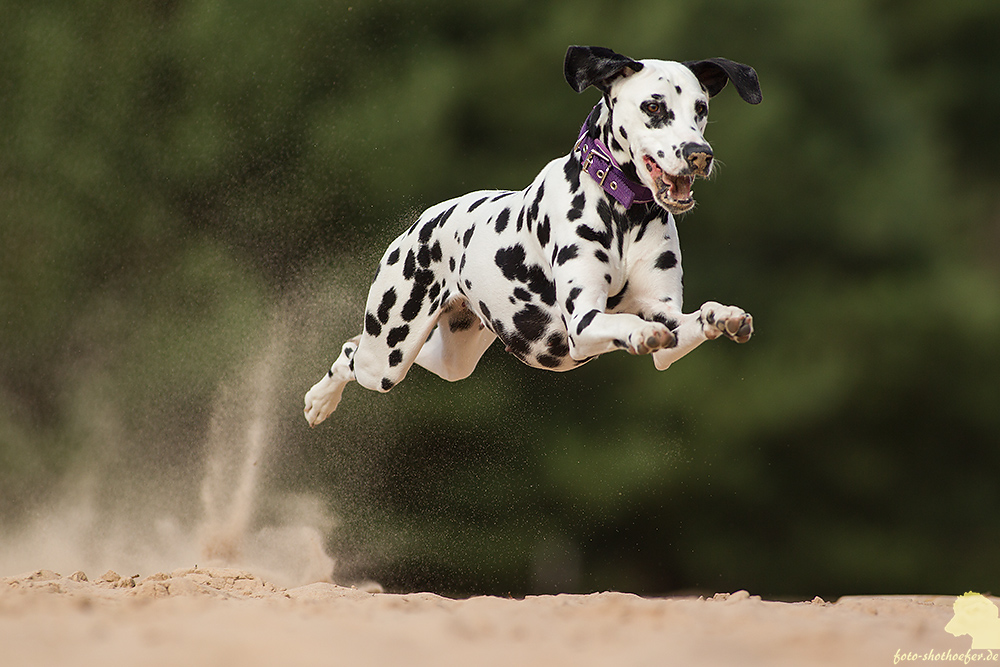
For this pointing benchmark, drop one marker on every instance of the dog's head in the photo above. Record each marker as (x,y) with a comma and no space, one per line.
(656,112)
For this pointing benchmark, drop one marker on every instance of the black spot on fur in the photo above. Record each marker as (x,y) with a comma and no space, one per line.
(567,253)
(477,204)
(601,256)
(388,301)
(423,277)
(395,358)
(621,131)
(436,252)
(532,322)
(585,321)
(484,310)
(468,236)
(548,361)
(413,305)
(539,283)
(387,384)
(424,256)
(392,258)
(669,322)
(666,260)
(576,212)
(372,325)
(572,171)
(410,265)
(502,219)
(533,209)
(571,301)
(397,335)
(511,262)
(588,234)
(427,230)
(543,231)
(522,294)
(613,301)
(557,345)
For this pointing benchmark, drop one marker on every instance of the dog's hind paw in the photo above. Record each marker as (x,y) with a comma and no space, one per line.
(322,400)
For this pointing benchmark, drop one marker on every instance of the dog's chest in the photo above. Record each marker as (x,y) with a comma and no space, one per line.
(504,250)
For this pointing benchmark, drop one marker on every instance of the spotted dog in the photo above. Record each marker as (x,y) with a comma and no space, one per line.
(583,261)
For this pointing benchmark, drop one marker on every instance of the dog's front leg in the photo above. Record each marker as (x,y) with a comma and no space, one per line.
(711,321)
(593,331)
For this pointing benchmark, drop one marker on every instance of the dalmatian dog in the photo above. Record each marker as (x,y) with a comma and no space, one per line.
(583,261)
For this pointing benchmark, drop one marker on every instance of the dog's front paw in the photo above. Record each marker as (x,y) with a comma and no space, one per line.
(651,337)
(322,400)
(729,321)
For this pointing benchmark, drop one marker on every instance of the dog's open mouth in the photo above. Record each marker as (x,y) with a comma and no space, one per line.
(672,192)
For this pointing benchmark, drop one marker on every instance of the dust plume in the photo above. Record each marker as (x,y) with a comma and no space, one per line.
(221,510)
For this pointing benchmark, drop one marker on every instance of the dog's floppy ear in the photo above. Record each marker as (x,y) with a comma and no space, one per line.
(596,66)
(714,73)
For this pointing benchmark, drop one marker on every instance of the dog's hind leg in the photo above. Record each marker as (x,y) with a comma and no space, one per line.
(456,345)
(324,396)
(393,336)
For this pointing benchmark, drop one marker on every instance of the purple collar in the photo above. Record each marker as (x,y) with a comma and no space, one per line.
(597,161)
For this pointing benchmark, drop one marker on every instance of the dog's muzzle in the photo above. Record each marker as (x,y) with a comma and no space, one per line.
(673,191)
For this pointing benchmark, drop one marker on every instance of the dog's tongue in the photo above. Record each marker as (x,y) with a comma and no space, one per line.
(680,186)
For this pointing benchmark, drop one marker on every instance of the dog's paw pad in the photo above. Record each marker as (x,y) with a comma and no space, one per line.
(729,321)
(652,337)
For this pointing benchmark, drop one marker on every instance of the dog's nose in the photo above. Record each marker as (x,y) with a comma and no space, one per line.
(698,158)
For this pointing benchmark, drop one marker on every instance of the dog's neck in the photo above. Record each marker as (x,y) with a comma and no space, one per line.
(608,165)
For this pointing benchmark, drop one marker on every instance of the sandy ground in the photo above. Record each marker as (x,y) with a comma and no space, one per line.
(215,616)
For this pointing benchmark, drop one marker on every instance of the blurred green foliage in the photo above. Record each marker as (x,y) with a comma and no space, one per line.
(178,178)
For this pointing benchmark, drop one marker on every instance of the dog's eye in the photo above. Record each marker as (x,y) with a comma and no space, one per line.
(700,108)
(652,108)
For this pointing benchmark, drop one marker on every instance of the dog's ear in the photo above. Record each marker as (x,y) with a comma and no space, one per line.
(596,66)
(714,73)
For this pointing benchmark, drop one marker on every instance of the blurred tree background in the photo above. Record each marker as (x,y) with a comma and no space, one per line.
(182,181)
